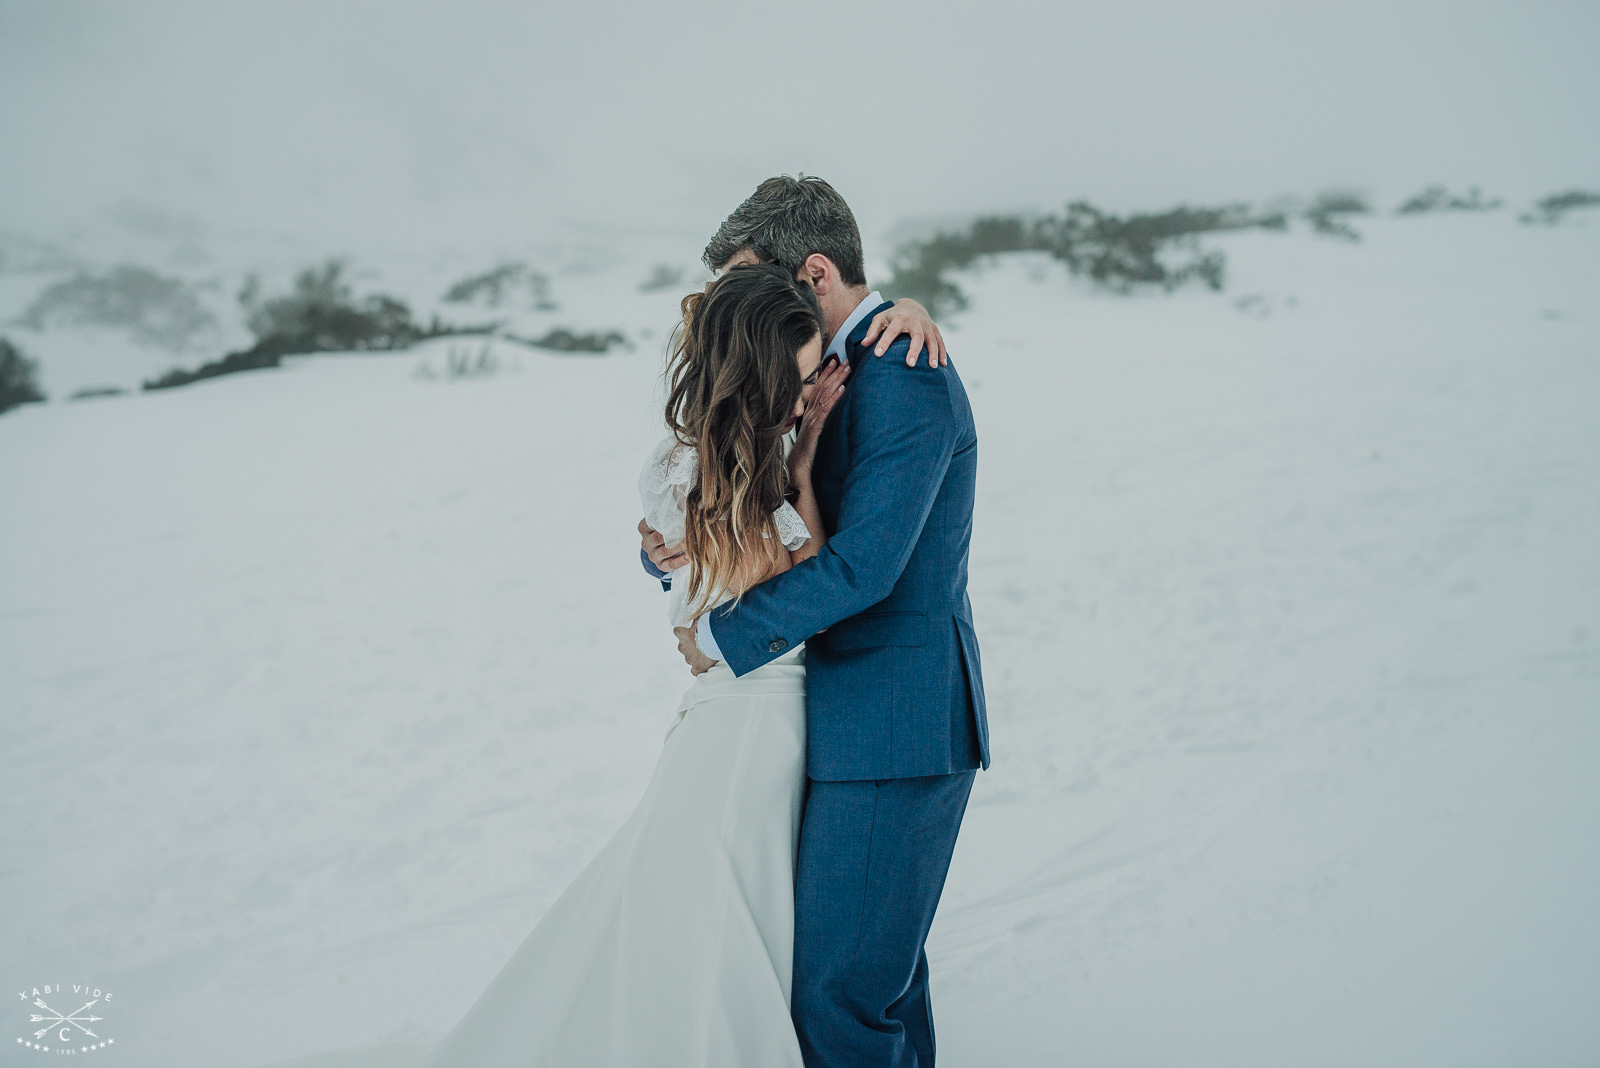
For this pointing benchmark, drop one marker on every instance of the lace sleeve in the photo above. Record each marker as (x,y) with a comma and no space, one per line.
(791,528)
(664,485)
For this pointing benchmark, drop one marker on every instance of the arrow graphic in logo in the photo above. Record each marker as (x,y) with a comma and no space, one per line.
(60,1019)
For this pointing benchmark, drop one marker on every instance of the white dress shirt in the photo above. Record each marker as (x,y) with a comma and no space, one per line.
(702,635)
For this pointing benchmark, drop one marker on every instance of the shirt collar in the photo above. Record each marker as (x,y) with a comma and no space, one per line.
(837,346)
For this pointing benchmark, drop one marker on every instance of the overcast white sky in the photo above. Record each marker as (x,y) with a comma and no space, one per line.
(479,121)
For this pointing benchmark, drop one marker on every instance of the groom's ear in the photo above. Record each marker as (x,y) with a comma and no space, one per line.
(818,272)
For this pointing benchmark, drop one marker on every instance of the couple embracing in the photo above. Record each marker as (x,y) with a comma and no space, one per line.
(809,513)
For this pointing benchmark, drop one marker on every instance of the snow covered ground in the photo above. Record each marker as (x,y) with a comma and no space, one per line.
(318,684)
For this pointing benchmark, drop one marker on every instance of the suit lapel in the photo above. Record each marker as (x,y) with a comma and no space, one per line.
(833,448)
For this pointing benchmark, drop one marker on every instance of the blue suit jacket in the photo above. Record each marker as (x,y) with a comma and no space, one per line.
(894,686)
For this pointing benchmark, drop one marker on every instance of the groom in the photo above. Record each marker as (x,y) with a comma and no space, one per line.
(896,728)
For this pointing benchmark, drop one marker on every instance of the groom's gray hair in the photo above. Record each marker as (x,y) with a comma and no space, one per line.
(787,219)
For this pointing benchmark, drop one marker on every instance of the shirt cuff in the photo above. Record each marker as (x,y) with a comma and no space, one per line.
(706,640)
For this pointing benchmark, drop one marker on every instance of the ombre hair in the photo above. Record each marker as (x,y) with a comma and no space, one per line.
(734,378)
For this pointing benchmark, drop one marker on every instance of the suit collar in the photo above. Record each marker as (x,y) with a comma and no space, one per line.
(854,328)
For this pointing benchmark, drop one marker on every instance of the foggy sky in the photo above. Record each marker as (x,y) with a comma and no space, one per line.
(477,122)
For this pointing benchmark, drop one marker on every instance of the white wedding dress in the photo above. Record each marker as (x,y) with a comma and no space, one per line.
(673,947)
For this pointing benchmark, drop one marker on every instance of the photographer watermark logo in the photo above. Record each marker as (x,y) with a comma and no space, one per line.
(66,1032)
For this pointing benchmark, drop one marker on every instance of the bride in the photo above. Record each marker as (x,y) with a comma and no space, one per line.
(674,946)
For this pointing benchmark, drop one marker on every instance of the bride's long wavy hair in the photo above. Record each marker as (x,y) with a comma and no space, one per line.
(733,381)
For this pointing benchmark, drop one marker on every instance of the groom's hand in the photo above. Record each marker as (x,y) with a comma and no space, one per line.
(666,557)
(697,661)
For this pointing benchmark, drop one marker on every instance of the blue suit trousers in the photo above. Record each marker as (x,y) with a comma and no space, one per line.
(872,863)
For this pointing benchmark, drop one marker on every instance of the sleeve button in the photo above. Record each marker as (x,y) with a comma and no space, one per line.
(777,645)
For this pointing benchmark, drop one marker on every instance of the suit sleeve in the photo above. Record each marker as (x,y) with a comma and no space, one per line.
(902,433)
(655,572)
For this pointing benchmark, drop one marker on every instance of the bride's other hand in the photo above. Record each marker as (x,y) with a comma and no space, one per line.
(666,557)
(824,395)
(912,319)
(698,662)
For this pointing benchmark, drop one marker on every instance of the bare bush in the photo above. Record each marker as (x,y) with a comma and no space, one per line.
(459,363)
(153,309)
(501,285)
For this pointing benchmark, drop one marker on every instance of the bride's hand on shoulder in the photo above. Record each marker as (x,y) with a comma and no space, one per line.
(824,395)
(912,319)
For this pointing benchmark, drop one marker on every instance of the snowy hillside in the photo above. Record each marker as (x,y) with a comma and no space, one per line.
(317,684)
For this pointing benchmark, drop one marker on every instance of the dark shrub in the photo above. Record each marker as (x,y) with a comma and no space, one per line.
(1340,202)
(919,274)
(1117,253)
(1326,210)
(97,391)
(919,267)
(560,340)
(1553,207)
(1438,198)
(19,377)
(1120,253)
(1332,225)
(155,310)
(495,286)
(318,315)
(261,355)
